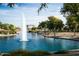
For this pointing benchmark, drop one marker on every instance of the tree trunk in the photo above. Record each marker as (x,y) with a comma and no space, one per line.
(44,32)
(74,32)
(54,33)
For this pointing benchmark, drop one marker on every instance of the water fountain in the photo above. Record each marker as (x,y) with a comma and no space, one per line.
(23,33)
(24,29)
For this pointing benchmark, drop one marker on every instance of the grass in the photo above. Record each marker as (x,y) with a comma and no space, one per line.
(27,53)
(34,53)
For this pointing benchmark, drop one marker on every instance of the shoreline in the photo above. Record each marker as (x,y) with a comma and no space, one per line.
(63,35)
(72,52)
(8,35)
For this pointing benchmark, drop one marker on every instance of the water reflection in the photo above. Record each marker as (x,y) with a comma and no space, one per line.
(24,45)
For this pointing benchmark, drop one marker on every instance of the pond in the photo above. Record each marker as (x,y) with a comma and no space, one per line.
(36,42)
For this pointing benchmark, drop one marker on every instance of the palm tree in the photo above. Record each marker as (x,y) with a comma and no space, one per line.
(11,5)
(42,6)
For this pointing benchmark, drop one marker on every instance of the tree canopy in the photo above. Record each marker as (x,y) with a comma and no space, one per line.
(52,23)
(70,9)
(9,28)
(71,12)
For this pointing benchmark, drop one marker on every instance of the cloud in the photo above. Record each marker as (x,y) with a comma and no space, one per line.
(31,14)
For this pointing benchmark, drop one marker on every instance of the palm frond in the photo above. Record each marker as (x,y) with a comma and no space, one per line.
(42,6)
(11,5)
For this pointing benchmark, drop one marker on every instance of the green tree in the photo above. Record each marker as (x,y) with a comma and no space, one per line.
(70,9)
(55,24)
(33,28)
(0,25)
(42,25)
(72,23)
(5,26)
(12,29)
(71,12)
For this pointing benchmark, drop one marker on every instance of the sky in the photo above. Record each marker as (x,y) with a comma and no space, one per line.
(14,15)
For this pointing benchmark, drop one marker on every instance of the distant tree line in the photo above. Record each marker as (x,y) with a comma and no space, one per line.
(6,28)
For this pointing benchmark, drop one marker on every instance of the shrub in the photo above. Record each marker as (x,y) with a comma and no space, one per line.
(61,52)
(20,53)
(28,53)
(40,53)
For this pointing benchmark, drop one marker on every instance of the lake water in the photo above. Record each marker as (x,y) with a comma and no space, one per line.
(36,42)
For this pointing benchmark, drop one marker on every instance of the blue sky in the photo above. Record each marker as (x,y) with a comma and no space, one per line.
(14,15)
